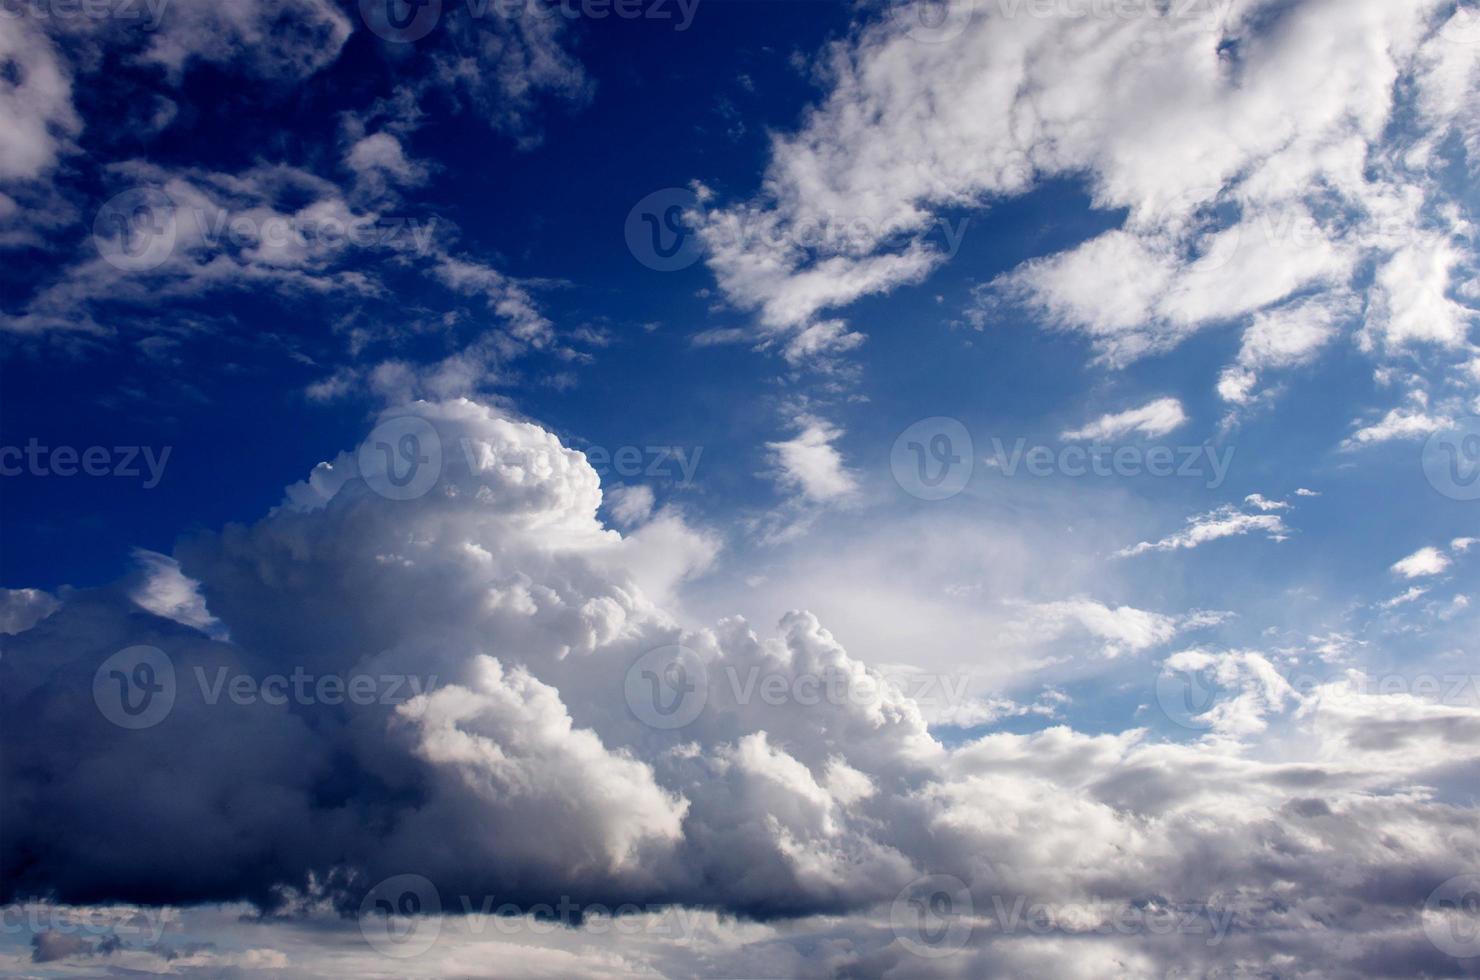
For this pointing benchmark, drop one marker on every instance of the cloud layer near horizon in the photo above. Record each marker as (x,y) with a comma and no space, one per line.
(522,770)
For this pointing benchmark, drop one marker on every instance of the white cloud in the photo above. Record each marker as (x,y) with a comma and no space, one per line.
(501,588)
(37,119)
(287,39)
(1260,502)
(21,609)
(1424,561)
(1242,204)
(811,463)
(1224,522)
(1123,629)
(1154,419)
(380,161)
(165,591)
(1399,423)
(1283,337)
(630,505)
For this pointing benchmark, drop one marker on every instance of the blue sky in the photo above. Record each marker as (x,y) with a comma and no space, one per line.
(1234,239)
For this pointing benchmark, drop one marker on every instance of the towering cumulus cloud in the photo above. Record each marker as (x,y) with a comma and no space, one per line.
(454,671)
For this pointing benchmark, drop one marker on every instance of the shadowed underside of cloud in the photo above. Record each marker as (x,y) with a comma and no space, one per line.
(514,762)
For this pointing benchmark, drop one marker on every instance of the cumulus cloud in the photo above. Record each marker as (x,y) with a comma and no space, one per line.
(1154,419)
(516,763)
(20,609)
